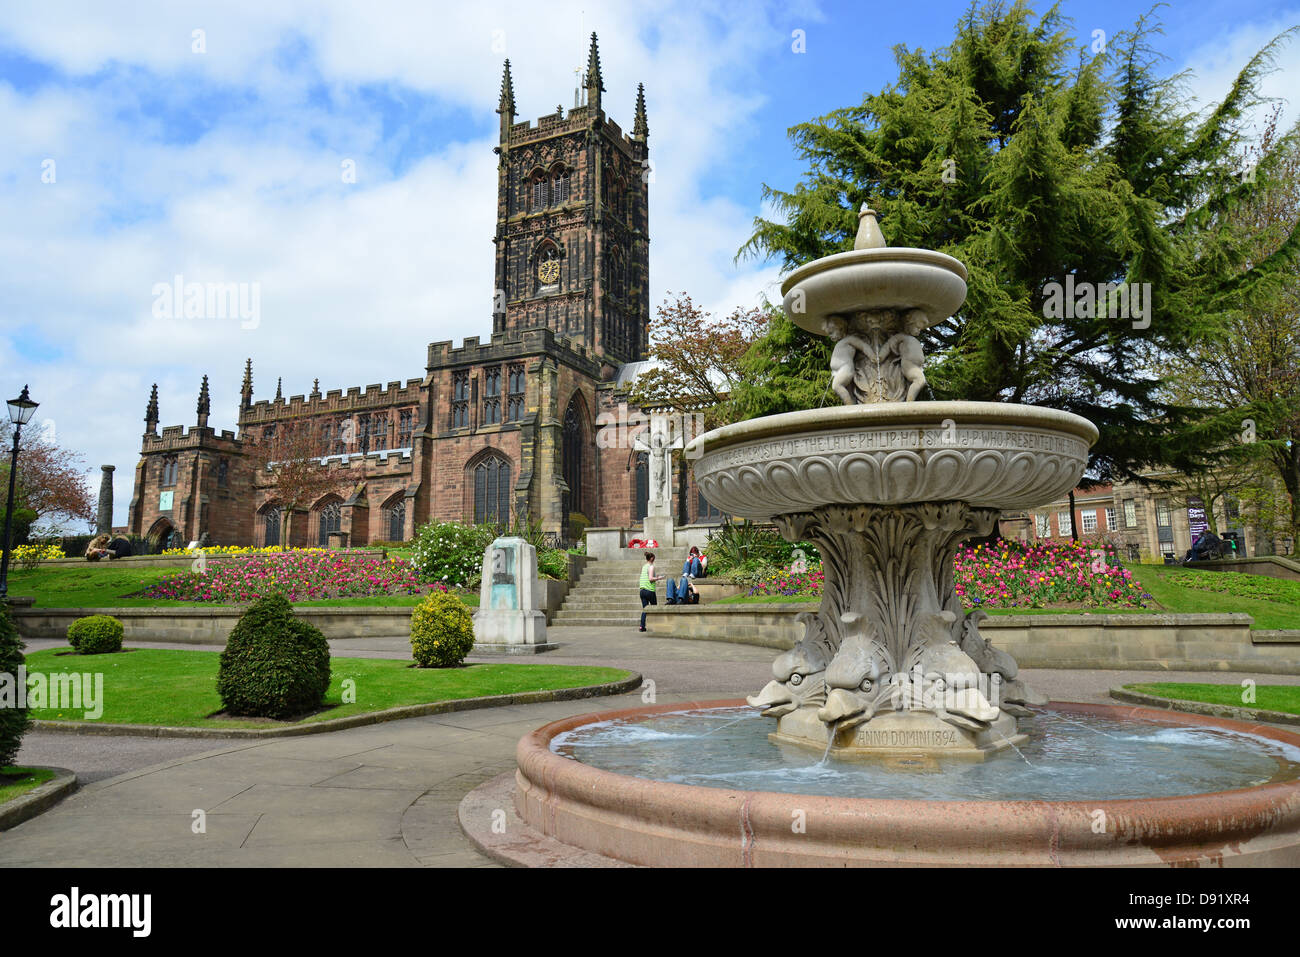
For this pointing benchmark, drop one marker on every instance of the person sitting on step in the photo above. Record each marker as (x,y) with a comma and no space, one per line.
(679,588)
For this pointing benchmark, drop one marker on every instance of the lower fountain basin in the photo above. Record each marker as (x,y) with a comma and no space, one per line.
(986,454)
(662,823)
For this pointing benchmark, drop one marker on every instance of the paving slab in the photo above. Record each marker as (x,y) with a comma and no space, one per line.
(383,795)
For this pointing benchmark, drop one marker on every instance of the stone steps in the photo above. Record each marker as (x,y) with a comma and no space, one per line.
(607,594)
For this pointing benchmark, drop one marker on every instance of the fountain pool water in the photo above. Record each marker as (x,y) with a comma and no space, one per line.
(729,748)
(893,732)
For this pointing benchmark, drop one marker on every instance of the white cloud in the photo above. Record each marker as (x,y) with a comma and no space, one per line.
(1214,66)
(354,280)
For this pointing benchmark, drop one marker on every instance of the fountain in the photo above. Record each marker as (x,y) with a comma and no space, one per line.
(892,677)
(888,488)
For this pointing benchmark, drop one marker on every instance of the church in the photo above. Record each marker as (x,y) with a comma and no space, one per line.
(494,431)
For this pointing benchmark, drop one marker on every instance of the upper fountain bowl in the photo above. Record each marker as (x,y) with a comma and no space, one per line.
(871,280)
(986,454)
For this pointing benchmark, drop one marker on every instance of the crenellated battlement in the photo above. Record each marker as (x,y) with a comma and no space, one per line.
(504,346)
(375,396)
(180,437)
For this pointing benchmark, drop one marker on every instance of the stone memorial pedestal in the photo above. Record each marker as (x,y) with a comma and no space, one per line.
(510,620)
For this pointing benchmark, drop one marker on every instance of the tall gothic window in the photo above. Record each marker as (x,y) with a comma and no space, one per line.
(492,491)
(642,485)
(573,454)
(379,431)
(460,400)
(223,473)
(330,517)
(326,439)
(405,428)
(559,186)
(395,519)
(363,433)
(271,519)
(616,277)
(515,397)
(492,395)
(171,470)
(539,191)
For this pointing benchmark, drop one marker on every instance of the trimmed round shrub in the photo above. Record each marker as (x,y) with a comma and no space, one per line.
(442,631)
(96,635)
(274,665)
(14,721)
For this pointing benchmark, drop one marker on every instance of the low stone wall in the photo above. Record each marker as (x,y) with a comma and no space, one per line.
(1123,641)
(713,589)
(198,625)
(553,593)
(211,626)
(771,626)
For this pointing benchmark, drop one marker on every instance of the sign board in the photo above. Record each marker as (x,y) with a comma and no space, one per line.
(1196,517)
(505,585)
(165,501)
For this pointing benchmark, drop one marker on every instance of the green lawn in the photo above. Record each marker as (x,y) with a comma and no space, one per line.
(1267,697)
(1273,603)
(17,781)
(179,688)
(105,586)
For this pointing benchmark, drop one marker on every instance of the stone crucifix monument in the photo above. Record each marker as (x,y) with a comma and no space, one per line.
(510,620)
(658,442)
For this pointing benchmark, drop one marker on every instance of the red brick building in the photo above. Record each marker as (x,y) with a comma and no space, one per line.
(493,431)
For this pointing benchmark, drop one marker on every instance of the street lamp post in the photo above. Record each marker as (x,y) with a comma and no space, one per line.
(20,413)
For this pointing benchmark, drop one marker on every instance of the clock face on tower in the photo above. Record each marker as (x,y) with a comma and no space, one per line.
(548,272)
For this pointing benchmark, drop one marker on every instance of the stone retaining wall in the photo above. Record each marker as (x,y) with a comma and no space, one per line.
(1273,566)
(1123,641)
(211,626)
(199,625)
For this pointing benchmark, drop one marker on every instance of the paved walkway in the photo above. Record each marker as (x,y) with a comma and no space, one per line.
(384,795)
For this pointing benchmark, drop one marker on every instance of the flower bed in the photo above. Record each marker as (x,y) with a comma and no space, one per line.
(244,550)
(781,581)
(1012,574)
(298,575)
(28,556)
(1007,575)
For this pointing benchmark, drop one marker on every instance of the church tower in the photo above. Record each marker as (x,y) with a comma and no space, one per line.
(572,237)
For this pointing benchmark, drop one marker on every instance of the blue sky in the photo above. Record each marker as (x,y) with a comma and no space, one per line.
(224,166)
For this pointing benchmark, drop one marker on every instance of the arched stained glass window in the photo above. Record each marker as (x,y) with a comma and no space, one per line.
(492,492)
(271,518)
(395,514)
(573,454)
(329,519)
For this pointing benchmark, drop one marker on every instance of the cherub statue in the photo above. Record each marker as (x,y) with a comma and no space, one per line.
(844,357)
(911,358)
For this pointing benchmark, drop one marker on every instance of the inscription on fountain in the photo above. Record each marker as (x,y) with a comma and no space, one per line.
(897,440)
